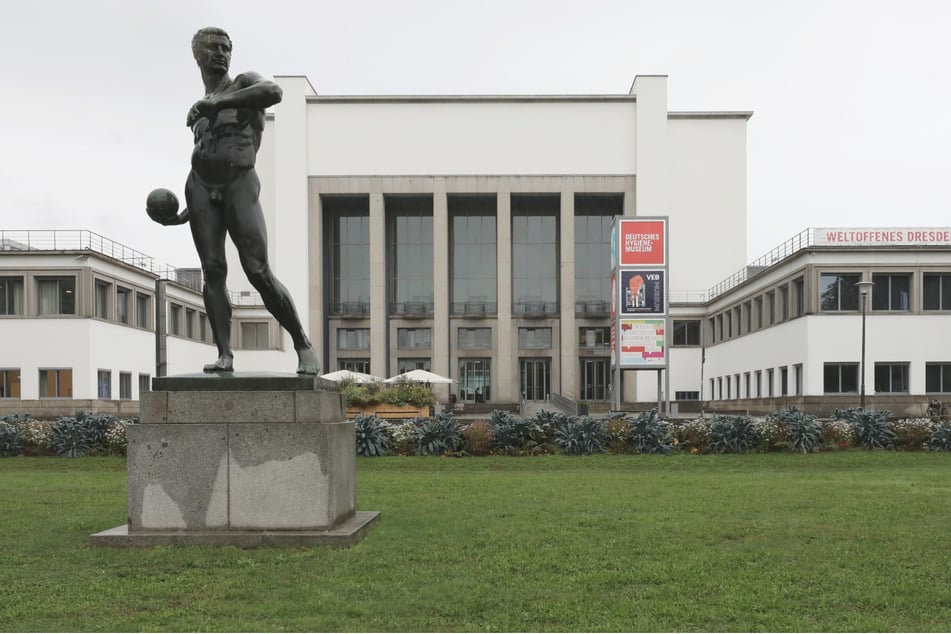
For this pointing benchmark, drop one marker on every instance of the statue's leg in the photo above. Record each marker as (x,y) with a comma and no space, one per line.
(249,233)
(208,231)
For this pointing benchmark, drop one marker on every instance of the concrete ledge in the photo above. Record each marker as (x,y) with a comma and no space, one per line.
(241,382)
(344,535)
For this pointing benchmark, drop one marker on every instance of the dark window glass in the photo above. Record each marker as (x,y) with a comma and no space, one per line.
(686,332)
(534,337)
(409,338)
(406,365)
(837,291)
(353,338)
(475,338)
(11,295)
(936,291)
(473,239)
(594,215)
(840,378)
(348,223)
(892,291)
(534,250)
(891,377)
(56,295)
(411,248)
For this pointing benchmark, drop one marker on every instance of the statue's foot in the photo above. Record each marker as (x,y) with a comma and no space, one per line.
(307,362)
(224,363)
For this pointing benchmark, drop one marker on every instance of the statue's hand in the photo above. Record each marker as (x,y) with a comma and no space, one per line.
(202,108)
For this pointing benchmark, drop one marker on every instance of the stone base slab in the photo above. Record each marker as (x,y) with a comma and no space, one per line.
(343,535)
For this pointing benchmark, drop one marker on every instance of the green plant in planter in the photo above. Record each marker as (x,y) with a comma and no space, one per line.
(872,428)
(941,437)
(649,435)
(436,436)
(372,439)
(732,434)
(405,393)
(583,435)
(71,437)
(803,430)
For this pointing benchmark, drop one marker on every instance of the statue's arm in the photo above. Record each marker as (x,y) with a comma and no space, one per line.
(250,90)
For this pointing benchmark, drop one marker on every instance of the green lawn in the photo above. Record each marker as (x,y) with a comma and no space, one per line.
(855,541)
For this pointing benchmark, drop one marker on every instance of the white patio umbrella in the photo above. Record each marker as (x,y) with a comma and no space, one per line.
(419,376)
(349,375)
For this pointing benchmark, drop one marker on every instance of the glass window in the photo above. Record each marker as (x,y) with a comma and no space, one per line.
(125,385)
(143,304)
(475,338)
(145,384)
(405,365)
(840,378)
(594,214)
(56,383)
(892,291)
(769,383)
(936,291)
(10,383)
(594,337)
(534,251)
(783,303)
(410,226)
(687,396)
(938,377)
(11,295)
(534,337)
(891,377)
(473,239)
(104,381)
(410,338)
(348,226)
(202,327)
(56,295)
(175,320)
(475,380)
(758,307)
(686,332)
(837,291)
(799,297)
(190,315)
(102,299)
(354,365)
(123,297)
(353,339)
(254,335)
(784,381)
(758,379)
(769,305)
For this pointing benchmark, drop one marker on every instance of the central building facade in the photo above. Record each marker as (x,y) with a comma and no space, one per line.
(470,236)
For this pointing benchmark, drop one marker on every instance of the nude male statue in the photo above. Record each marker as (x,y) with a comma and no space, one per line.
(221,194)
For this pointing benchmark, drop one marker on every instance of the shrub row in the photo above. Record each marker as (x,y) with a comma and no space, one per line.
(646,433)
(545,433)
(69,436)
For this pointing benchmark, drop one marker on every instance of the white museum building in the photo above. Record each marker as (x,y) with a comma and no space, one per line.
(470,236)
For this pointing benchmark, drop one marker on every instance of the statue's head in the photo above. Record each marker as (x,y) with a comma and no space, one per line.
(211,47)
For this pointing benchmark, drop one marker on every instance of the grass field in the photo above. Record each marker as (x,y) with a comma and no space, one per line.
(843,541)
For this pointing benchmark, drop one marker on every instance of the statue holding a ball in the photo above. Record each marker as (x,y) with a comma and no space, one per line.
(221,195)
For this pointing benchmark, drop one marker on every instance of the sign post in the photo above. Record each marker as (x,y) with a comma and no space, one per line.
(639,299)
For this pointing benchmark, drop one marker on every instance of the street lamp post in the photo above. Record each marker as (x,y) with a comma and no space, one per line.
(864,287)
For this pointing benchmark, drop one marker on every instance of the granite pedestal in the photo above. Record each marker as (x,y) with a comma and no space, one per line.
(241,459)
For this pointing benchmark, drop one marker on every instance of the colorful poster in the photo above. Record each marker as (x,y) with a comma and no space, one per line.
(642,242)
(642,292)
(643,342)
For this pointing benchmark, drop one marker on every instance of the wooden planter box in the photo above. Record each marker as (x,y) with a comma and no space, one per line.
(386,411)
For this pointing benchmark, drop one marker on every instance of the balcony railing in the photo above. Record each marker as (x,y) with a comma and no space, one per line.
(350,310)
(412,310)
(473,310)
(535,309)
(593,309)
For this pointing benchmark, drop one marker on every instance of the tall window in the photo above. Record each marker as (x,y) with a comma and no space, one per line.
(175,320)
(594,214)
(799,297)
(837,291)
(936,291)
(353,339)
(125,385)
(104,383)
(596,336)
(534,251)
(840,378)
(56,383)
(783,303)
(938,377)
(123,299)
(892,291)
(145,384)
(10,383)
(56,295)
(414,338)
(770,383)
(758,307)
(143,305)
(254,335)
(686,332)
(190,318)
(769,305)
(348,226)
(891,377)
(410,221)
(472,227)
(103,291)
(11,295)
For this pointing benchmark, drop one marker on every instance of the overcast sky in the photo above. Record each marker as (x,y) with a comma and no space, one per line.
(851,99)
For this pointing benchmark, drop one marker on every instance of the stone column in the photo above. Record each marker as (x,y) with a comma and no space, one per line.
(569,331)
(441,282)
(504,381)
(379,308)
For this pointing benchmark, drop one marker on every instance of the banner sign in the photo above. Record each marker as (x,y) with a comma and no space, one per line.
(642,242)
(642,342)
(882,236)
(642,292)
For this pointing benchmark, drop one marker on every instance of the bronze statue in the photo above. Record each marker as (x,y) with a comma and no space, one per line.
(221,195)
